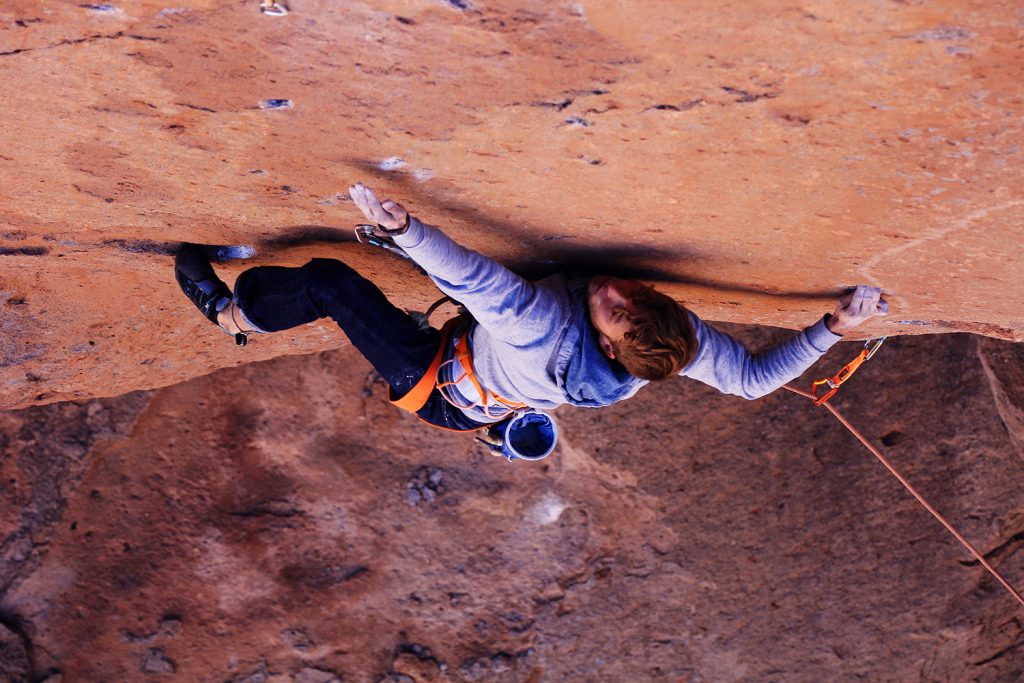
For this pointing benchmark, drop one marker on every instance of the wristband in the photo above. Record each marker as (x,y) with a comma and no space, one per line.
(397,231)
(829,316)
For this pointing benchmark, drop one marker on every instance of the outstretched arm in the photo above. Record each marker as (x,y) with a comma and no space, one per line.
(727,365)
(510,307)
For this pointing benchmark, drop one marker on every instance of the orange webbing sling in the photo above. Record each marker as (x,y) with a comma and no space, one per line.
(417,397)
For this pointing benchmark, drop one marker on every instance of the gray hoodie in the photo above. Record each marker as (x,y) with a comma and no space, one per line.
(524,333)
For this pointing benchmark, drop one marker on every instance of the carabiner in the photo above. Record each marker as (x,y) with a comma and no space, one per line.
(871,347)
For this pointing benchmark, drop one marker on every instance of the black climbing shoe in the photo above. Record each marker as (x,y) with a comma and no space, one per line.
(201,285)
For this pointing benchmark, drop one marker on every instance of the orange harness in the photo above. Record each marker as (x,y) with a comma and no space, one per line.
(417,397)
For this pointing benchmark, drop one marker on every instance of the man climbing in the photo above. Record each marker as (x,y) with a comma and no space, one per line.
(528,345)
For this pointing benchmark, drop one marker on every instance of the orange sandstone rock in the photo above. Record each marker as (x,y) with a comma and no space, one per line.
(751,159)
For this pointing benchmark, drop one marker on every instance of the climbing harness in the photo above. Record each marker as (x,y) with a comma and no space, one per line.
(444,375)
(871,347)
(273,9)
(416,398)
(834,383)
(520,432)
(459,369)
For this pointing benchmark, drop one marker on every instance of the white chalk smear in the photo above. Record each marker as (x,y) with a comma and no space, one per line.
(548,510)
(235,252)
(391,164)
(98,7)
(275,103)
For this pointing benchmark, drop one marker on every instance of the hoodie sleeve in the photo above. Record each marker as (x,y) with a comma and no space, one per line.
(511,308)
(724,363)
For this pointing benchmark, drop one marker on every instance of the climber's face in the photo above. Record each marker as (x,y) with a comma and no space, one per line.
(610,302)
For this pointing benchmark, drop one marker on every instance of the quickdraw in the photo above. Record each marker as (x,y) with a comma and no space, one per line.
(370,234)
(871,347)
(376,237)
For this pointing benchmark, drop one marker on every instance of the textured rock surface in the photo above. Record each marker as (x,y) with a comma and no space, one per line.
(281,522)
(14,661)
(1004,365)
(753,158)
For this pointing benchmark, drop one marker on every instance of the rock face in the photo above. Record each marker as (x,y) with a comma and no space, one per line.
(282,522)
(750,159)
(1004,365)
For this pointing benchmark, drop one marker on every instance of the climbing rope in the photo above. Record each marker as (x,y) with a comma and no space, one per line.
(824,401)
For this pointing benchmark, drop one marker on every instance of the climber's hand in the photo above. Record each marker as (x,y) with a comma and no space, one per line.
(855,307)
(389,215)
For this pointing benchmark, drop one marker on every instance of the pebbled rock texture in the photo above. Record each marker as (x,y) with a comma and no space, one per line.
(282,522)
(751,158)
(14,661)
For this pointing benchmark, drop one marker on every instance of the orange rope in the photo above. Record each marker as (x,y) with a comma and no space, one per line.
(913,492)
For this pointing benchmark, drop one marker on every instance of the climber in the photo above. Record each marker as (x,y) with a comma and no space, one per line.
(583,341)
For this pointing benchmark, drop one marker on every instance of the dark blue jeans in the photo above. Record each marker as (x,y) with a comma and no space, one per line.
(276,298)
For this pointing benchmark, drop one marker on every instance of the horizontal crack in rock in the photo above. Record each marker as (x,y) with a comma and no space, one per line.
(1009,648)
(196,107)
(24,251)
(743,96)
(78,41)
(998,550)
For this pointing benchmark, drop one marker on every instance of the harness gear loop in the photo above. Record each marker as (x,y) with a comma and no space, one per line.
(871,347)
(489,400)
